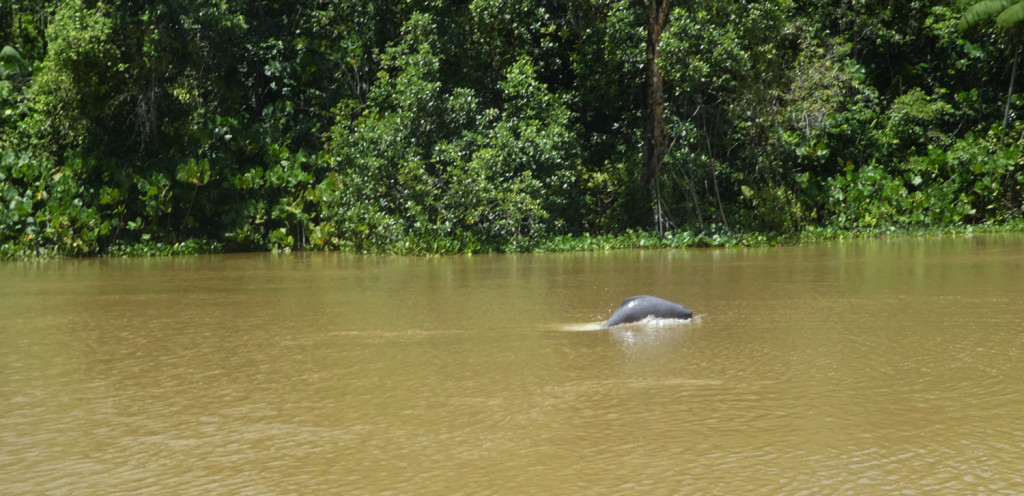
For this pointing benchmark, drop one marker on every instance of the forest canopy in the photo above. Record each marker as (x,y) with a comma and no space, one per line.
(497,125)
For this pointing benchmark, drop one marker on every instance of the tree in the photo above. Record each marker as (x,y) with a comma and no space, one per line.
(1010,15)
(655,143)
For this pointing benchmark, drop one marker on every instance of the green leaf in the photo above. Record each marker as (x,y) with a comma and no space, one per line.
(11,62)
(982,10)
(109,196)
(194,172)
(1011,16)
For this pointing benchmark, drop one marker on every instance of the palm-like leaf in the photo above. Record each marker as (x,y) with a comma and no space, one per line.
(1012,15)
(981,11)
(11,62)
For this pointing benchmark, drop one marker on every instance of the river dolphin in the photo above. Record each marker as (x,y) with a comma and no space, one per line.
(639,308)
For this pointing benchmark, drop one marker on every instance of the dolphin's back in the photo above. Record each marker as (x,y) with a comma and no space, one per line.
(637,308)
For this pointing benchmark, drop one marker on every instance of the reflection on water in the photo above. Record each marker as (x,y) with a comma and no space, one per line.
(875,367)
(652,336)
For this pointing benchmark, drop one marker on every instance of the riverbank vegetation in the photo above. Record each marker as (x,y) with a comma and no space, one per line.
(498,125)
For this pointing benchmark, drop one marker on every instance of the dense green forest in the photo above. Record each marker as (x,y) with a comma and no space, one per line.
(498,125)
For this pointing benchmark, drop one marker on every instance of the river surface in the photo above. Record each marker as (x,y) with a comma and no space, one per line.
(868,367)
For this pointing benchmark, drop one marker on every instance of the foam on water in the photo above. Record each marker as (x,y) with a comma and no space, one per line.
(649,322)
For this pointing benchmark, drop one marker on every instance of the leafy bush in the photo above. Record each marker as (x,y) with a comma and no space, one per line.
(977,179)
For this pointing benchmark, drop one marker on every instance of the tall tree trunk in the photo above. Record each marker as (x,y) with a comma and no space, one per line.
(1009,92)
(655,143)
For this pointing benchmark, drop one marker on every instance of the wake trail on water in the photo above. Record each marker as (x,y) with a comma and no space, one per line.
(589,326)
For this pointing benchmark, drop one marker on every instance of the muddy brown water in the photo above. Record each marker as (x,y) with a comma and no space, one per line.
(867,367)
